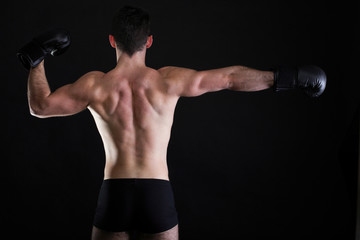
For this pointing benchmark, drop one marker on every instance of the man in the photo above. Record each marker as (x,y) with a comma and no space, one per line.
(133,107)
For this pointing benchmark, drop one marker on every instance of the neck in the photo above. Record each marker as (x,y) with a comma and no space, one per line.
(136,60)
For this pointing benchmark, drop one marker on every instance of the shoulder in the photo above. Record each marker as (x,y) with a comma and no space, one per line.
(165,71)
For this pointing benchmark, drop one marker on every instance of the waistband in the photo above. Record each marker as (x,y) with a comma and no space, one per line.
(134,180)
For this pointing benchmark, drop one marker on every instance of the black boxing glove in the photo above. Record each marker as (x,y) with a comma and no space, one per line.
(53,42)
(311,79)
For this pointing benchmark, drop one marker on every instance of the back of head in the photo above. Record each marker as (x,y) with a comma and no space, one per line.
(130,28)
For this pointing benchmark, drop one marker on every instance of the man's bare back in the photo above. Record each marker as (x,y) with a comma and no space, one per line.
(134,116)
(133,107)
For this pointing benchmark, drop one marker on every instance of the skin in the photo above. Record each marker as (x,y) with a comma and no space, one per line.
(133,107)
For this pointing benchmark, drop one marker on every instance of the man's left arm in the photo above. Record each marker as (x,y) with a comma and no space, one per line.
(66,100)
(190,83)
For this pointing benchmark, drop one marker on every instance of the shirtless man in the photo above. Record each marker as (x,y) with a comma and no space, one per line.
(133,107)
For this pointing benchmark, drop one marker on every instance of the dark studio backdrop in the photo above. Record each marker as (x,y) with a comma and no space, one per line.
(242,165)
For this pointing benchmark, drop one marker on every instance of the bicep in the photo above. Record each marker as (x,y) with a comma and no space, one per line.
(69,99)
(66,100)
(214,80)
(190,83)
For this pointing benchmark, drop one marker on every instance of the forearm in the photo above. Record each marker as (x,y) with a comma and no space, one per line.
(247,79)
(38,88)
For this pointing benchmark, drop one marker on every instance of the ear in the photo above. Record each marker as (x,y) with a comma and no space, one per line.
(149,41)
(112,41)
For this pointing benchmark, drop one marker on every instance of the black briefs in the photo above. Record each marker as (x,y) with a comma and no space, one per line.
(141,205)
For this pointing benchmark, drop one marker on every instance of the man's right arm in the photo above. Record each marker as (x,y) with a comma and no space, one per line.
(189,83)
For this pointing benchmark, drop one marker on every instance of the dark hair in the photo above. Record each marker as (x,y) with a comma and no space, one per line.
(131,28)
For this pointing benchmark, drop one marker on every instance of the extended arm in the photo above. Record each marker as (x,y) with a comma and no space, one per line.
(187,82)
(66,100)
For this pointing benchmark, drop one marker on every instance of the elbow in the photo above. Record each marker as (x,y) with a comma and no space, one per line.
(234,82)
(38,110)
(36,113)
(230,81)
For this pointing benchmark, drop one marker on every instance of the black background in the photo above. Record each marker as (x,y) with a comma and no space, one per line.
(243,165)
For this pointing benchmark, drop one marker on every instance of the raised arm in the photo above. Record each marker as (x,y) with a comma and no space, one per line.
(188,82)
(66,100)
